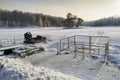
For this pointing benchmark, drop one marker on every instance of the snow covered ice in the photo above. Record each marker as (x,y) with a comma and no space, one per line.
(87,69)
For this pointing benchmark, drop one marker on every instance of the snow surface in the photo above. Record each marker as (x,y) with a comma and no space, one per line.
(88,68)
(15,69)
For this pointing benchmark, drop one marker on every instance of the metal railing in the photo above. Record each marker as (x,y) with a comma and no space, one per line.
(80,43)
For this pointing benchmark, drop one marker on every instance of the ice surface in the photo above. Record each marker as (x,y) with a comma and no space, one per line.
(87,69)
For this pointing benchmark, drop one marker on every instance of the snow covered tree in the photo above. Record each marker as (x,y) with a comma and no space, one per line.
(79,22)
(72,21)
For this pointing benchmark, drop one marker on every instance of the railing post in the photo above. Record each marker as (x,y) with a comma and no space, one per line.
(83,47)
(58,49)
(107,51)
(98,51)
(90,39)
(68,43)
(60,46)
(75,47)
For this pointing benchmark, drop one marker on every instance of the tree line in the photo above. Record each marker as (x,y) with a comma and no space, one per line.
(19,18)
(111,21)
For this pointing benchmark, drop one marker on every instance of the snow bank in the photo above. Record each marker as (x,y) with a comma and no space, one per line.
(114,56)
(115,59)
(15,69)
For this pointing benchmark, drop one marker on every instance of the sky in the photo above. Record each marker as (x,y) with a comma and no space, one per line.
(88,10)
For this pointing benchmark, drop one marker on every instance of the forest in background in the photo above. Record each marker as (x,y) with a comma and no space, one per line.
(110,21)
(19,18)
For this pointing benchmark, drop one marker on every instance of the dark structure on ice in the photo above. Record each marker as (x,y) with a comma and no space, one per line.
(28,38)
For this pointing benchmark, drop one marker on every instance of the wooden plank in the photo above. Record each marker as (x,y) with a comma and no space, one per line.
(10,47)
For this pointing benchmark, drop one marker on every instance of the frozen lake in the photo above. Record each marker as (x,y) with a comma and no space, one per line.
(58,33)
(87,69)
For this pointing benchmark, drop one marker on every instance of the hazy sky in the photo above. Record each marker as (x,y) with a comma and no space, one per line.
(86,9)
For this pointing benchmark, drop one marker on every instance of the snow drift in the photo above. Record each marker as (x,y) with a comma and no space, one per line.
(16,69)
